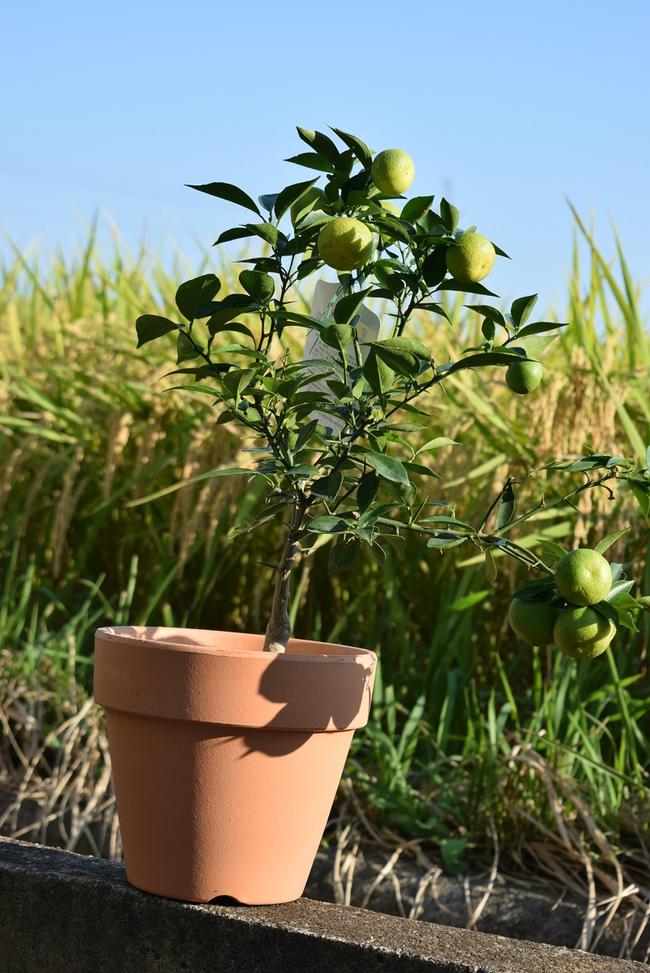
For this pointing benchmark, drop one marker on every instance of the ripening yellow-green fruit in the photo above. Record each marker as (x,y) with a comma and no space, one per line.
(345,243)
(583,577)
(533,621)
(581,633)
(471,259)
(393,171)
(523,377)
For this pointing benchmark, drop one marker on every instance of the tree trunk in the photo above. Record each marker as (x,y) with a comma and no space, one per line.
(278,630)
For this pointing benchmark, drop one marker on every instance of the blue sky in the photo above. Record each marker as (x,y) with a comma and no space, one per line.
(506,108)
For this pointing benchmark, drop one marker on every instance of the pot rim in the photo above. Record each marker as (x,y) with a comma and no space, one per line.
(334,652)
(313,687)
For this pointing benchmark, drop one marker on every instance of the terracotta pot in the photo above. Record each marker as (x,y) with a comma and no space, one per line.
(226,759)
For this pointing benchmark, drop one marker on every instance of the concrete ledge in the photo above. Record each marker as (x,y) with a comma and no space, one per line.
(65,913)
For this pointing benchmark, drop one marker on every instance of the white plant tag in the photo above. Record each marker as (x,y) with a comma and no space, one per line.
(367,329)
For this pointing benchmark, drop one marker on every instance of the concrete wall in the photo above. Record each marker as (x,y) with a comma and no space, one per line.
(64,913)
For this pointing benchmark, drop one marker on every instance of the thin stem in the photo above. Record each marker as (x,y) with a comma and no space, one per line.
(278,630)
(543,505)
(484,541)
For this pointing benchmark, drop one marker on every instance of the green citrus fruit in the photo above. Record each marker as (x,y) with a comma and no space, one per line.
(306,203)
(532,621)
(345,243)
(393,171)
(583,577)
(472,259)
(523,377)
(581,633)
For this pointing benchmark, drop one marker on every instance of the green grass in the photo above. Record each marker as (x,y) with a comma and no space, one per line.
(474,739)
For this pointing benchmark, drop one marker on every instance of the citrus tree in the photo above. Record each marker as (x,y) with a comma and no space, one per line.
(331,425)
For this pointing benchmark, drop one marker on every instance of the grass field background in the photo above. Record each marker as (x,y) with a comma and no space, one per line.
(478,746)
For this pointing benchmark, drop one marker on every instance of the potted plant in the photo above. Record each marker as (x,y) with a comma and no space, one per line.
(227,747)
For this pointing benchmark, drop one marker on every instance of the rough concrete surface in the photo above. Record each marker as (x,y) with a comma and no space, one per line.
(65,913)
(519,907)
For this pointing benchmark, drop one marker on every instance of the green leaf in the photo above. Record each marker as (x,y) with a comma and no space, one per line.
(302,471)
(266,231)
(338,335)
(328,486)
(185,349)
(400,344)
(201,371)
(437,443)
(491,569)
(521,309)
(421,470)
(305,434)
(312,160)
(228,309)
(449,521)
(610,540)
(227,416)
(606,610)
(435,309)
(398,361)
(416,208)
(619,593)
(401,354)
(391,227)
(448,215)
(342,555)
(489,312)
(302,320)
(233,471)
(367,490)
(235,326)
(359,148)
(268,201)
(443,541)
(290,194)
(434,266)
(489,329)
(540,327)
(308,266)
(542,589)
(533,345)
(642,496)
(377,373)
(506,510)
(454,285)
(387,467)
(320,143)
(226,190)
(236,233)
(551,552)
(148,327)
(195,294)
(238,380)
(327,525)
(340,389)
(485,358)
(348,306)
(261,287)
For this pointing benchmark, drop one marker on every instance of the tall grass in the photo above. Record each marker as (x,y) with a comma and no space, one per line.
(475,742)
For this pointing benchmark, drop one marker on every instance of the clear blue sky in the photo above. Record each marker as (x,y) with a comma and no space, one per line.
(506,107)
